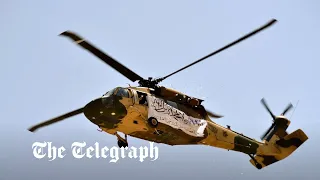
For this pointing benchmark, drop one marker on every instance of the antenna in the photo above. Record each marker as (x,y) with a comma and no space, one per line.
(294,110)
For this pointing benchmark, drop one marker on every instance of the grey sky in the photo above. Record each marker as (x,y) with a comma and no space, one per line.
(44,75)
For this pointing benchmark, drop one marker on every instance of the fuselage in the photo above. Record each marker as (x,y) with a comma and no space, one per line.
(126,110)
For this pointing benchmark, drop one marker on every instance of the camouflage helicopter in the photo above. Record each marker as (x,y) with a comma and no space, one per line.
(164,115)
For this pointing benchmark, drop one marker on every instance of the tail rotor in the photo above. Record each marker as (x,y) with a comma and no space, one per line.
(277,120)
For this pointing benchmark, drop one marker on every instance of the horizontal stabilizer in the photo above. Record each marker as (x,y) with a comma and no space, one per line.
(286,146)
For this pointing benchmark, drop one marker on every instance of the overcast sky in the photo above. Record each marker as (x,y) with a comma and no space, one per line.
(44,75)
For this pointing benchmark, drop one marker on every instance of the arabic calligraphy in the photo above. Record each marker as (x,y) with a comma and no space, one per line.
(174,117)
(160,106)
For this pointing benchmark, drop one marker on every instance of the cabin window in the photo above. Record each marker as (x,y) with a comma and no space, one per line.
(173,104)
(123,92)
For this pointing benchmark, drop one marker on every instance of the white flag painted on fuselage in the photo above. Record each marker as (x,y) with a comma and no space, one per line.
(175,118)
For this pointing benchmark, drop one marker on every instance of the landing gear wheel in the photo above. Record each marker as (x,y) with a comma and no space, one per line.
(153,122)
(259,166)
(122,144)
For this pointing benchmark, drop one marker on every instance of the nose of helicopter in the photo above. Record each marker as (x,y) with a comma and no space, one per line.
(105,110)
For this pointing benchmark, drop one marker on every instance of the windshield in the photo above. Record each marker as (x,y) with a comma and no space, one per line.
(119,91)
(109,93)
(122,92)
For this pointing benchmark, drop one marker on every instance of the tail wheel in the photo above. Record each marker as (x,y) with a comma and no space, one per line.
(259,166)
(153,122)
(122,144)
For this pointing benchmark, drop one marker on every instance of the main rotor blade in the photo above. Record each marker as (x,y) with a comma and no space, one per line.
(266,106)
(225,47)
(55,120)
(103,56)
(214,115)
(287,109)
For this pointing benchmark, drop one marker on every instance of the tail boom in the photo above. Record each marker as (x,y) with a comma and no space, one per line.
(280,145)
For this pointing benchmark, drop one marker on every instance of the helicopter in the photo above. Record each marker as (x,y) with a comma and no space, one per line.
(164,115)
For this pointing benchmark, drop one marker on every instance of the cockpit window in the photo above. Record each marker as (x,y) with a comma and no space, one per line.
(111,92)
(123,92)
